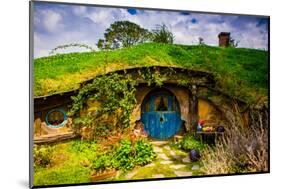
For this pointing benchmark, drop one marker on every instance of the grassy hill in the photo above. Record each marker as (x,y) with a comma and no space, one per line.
(239,72)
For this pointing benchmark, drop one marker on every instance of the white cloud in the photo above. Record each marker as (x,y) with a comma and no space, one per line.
(63,29)
(52,20)
(79,10)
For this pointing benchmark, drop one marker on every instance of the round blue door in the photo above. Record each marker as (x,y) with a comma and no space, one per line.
(161,115)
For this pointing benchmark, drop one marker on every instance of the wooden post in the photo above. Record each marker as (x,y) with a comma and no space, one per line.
(193,108)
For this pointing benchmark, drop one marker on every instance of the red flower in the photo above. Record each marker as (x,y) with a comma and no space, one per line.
(201,122)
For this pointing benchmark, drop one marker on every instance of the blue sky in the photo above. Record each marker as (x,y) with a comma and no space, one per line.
(57,24)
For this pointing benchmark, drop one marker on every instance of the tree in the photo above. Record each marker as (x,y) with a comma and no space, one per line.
(162,34)
(123,34)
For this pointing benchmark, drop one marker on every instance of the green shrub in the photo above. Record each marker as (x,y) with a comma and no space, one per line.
(115,92)
(42,155)
(123,156)
(144,152)
(103,162)
(87,149)
(189,142)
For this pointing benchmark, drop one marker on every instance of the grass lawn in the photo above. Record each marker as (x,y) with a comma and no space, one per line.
(71,163)
(234,68)
(67,165)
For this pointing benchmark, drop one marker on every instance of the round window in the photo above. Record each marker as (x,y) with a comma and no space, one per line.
(56,118)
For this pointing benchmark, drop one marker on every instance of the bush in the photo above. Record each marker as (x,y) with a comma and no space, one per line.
(103,162)
(42,155)
(125,156)
(128,155)
(189,142)
(116,95)
(162,34)
(242,149)
(86,148)
(144,152)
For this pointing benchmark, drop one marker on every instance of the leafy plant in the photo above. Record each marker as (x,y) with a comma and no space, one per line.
(115,92)
(88,149)
(162,34)
(190,142)
(183,82)
(42,155)
(127,155)
(144,152)
(123,156)
(153,77)
(102,163)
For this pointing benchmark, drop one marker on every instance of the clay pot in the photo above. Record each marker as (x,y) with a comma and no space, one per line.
(103,176)
(220,129)
(194,155)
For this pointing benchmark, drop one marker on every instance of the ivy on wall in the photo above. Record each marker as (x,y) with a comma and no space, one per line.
(114,92)
(152,76)
(116,96)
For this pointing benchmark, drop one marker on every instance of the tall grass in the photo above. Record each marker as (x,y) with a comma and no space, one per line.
(242,149)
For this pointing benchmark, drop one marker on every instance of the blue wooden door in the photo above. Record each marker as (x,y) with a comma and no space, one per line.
(161,115)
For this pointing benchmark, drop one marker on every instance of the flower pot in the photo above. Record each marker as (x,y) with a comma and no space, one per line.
(104,175)
(194,155)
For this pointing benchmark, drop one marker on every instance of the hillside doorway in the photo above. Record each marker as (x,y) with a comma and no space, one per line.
(161,114)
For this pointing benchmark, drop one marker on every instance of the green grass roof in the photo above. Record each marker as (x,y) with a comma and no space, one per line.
(240,72)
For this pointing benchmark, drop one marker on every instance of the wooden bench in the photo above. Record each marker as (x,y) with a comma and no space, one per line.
(50,138)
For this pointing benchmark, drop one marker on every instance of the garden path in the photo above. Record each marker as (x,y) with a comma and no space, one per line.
(169,162)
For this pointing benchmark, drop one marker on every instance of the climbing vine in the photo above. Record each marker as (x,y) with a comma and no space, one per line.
(152,77)
(183,82)
(114,92)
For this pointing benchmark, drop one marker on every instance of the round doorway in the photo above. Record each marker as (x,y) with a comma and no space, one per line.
(161,114)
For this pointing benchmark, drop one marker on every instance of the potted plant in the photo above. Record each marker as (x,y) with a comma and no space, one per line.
(103,168)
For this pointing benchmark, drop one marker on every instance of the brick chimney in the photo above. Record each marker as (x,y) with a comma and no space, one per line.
(224,38)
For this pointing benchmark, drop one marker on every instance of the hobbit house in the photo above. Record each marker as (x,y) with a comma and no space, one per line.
(167,101)
(173,108)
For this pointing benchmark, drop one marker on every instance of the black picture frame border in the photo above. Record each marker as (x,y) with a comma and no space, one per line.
(31,100)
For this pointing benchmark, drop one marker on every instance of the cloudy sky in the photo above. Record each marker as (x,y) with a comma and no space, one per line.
(57,24)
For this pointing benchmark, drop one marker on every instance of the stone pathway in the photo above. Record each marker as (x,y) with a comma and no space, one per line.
(168,163)
(158,176)
(130,175)
(183,173)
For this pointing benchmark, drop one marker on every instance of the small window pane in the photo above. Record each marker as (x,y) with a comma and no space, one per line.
(161,103)
(146,107)
(175,106)
(56,118)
